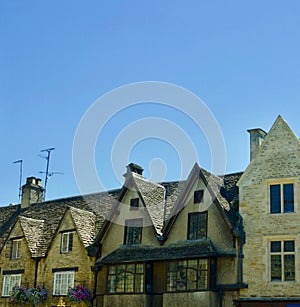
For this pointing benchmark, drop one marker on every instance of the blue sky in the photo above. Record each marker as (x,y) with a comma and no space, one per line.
(242,58)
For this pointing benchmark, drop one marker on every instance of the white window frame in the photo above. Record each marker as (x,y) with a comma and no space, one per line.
(65,242)
(10,281)
(15,249)
(281,182)
(62,282)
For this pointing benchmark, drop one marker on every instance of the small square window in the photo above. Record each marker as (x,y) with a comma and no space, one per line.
(275,246)
(198,196)
(134,203)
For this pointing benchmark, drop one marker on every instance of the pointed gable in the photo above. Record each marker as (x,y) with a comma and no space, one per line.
(278,154)
(153,196)
(213,185)
(8,217)
(34,232)
(85,223)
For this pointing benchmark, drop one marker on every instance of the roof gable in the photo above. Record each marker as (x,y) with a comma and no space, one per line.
(153,196)
(213,185)
(280,144)
(85,223)
(34,234)
(8,217)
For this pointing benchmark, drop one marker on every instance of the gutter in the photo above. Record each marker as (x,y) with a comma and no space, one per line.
(37,260)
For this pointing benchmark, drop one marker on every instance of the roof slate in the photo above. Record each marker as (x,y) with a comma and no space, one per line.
(41,221)
(180,250)
(153,195)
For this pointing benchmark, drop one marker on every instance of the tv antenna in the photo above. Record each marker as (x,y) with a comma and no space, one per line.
(20,180)
(47,173)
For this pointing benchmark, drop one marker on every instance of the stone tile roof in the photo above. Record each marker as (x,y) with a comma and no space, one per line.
(40,221)
(179,250)
(231,188)
(85,222)
(153,195)
(34,233)
(8,217)
(173,190)
(217,184)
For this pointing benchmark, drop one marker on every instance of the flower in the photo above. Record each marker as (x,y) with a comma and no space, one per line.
(32,296)
(79,294)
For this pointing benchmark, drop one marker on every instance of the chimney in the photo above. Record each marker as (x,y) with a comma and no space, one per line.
(32,192)
(257,137)
(134,168)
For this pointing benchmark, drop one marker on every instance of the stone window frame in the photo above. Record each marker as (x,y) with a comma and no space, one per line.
(69,275)
(7,283)
(282,238)
(281,182)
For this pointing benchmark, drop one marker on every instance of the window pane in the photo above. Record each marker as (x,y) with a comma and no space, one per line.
(133,231)
(288,195)
(276,246)
(190,275)
(275,198)
(197,225)
(289,246)
(64,243)
(9,282)
(276,268)
(289,267)
(62,282)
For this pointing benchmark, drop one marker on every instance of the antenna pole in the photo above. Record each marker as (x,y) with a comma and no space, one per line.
(20,180)
(47,168)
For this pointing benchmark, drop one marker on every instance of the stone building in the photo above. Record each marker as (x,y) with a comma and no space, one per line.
(269,197)
(190,258)
(50,243)
(214,241)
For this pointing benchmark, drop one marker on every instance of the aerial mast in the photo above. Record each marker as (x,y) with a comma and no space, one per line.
(48,150)
(20,174)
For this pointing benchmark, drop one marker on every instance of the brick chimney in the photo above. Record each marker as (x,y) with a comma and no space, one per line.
(32,192)
(257,137)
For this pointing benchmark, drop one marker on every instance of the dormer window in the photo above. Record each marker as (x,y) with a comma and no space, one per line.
(134,203)
(198,196)
(282,198)
(15,250)
(66,242)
